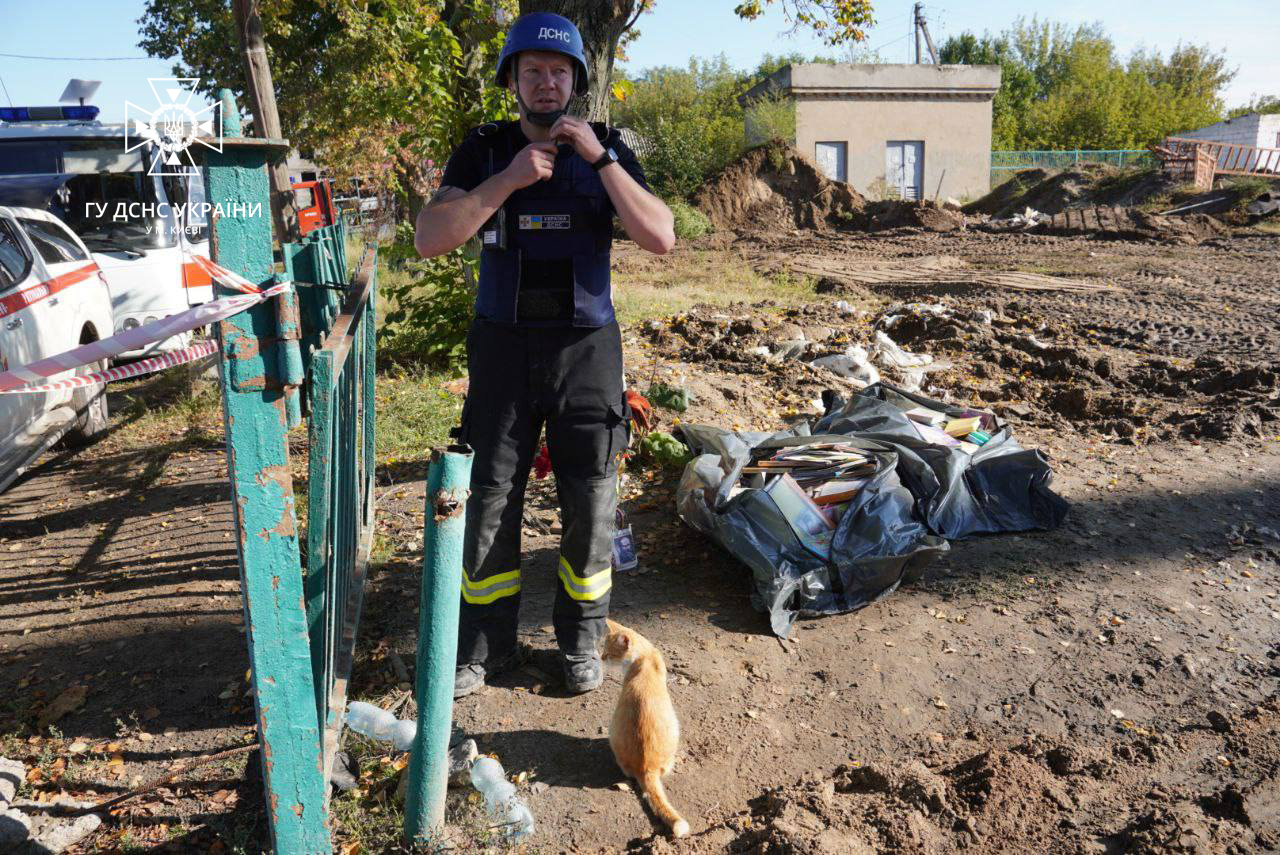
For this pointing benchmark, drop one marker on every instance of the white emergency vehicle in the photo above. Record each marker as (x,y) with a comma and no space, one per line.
(143,229)
(53,297)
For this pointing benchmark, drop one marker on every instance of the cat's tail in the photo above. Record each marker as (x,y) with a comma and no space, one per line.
(657,796)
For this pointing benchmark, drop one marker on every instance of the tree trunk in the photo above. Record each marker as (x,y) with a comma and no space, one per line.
(602,23)
(266,120)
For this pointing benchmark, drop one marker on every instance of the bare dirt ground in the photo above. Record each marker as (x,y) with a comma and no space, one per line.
(1110,686)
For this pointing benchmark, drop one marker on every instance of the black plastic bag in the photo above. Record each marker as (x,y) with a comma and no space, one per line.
(919,495)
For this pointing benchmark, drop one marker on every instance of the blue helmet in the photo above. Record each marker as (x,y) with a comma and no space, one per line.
(544,31)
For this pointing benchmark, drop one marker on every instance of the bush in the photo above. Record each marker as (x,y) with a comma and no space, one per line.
(690,223)
(689,120)
(431,306)
(771,117)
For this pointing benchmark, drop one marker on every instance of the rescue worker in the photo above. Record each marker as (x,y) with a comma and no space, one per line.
(544,347)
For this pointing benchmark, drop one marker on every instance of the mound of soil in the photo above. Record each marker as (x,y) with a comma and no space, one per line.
(923,214)
(1047,192)
(773,185)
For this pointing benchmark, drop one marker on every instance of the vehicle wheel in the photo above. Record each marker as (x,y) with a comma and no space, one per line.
(91,404)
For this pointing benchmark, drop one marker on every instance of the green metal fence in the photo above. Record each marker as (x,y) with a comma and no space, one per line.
(341,462)
(301,613)
(1005,162)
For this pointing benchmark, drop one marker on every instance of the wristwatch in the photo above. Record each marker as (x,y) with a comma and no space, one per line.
(609,156)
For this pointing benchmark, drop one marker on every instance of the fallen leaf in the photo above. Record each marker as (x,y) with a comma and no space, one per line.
(940,703)
(116,760)
(67,701)
(78,747)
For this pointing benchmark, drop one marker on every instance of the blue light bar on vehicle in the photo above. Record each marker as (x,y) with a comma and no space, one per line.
(86,113)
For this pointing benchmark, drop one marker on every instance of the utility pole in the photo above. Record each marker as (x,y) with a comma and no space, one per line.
(922,27)
(266,120)
(915,29)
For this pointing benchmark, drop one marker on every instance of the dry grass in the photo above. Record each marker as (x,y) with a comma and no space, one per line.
(649,286)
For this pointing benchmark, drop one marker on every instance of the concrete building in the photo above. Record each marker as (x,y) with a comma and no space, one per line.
(1257,129)
(911,131)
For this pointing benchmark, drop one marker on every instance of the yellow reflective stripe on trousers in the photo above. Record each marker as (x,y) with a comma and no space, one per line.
(484,591)
(591,587)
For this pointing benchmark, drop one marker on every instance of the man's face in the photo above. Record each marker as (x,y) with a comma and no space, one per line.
(545,79)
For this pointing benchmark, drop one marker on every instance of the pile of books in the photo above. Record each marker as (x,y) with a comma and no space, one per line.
(812,485)
(968,431)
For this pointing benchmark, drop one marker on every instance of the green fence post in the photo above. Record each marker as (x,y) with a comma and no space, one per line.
(448,486)
(256,417)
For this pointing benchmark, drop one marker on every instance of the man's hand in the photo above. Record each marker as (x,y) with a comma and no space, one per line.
(577,133)
(533,163)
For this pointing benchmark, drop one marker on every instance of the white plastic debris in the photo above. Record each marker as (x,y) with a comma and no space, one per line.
(912,365)
(762,350)
(845,308)
(894,314)
(984,316)
(854,363)
(889,354)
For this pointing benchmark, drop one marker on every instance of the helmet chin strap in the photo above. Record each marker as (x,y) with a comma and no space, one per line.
(541,119)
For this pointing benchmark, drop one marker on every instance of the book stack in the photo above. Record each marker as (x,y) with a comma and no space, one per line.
(968,431)
(812,465)
(812,485)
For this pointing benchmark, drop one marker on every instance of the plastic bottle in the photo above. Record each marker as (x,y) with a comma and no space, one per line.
(377,723)
(402,733)
(506,810)
(369,720)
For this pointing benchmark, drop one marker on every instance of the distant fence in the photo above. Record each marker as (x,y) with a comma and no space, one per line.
(1005,162)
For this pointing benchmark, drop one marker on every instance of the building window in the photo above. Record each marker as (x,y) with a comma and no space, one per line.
(832,159)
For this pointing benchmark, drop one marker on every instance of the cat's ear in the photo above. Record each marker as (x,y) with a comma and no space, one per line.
(624,641)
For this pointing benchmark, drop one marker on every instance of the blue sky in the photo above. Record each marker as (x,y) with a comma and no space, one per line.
(1248,30)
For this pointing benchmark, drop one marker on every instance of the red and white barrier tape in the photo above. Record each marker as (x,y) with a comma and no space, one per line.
(16,379)
(133,369)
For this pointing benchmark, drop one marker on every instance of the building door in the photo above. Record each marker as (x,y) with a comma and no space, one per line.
(832,159)
(904,168)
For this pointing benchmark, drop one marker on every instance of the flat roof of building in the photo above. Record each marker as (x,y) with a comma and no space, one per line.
(854,80)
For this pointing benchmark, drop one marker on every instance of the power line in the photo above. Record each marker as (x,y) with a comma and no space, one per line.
(893,42)
(6,92)
(79,58)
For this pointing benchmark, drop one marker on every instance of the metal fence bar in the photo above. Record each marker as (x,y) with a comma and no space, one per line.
(340,513)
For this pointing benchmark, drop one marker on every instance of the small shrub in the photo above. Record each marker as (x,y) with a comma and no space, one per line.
(431,307)
(690,223)
(771,117)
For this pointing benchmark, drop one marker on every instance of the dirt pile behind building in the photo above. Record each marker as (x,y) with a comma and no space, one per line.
(774,186)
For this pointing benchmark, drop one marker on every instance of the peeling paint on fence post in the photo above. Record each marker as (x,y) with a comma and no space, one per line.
(448,486)
(257,417)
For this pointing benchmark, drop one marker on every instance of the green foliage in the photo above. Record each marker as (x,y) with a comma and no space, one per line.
(668,397)
(663,449)
(689,221)
(1065,88)
(431,306)
(690,120)
(836,21)
(771,117)
(1265,104)
(368,89)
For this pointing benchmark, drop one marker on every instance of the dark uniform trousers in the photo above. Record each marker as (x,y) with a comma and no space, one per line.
(569,378)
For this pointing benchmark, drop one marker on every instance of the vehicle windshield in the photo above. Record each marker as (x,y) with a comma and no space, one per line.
(119,208)
(109,200)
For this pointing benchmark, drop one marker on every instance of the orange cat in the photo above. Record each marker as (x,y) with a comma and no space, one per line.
(645,733)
